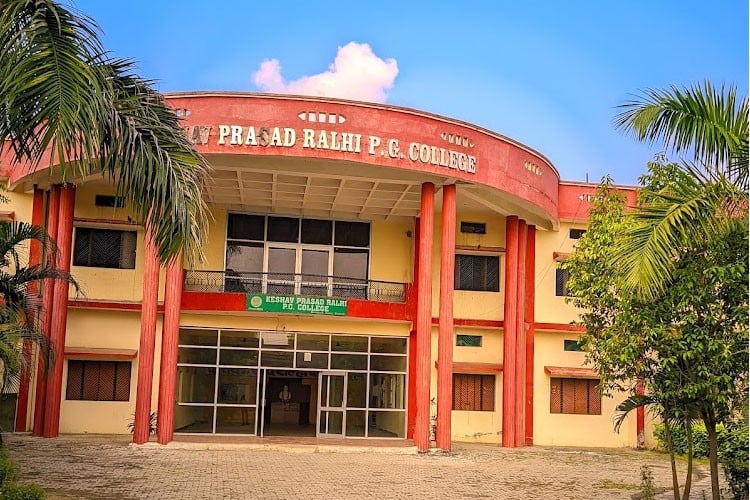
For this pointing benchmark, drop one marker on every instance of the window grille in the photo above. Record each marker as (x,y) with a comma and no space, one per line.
(473,392)
(575,396)
(478,273)
(109,248)
(98,380)
(575,234)
(561,281)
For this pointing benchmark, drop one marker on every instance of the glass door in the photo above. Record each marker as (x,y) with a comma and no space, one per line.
(281,265)
(331,404)
(314,270)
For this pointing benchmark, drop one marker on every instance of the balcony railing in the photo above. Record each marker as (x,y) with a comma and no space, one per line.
(295,284)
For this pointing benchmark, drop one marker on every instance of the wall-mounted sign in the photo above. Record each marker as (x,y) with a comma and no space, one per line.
(296,305)
(347,142)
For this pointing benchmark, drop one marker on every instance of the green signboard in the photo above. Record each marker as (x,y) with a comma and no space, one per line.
(296,305)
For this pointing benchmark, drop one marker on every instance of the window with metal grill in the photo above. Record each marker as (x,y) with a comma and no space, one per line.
(575,234)
(561,281)
(98,380)
(110,248)
(480,273)
(473,392)
(575,396)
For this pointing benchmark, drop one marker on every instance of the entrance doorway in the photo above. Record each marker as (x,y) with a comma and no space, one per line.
(289,403)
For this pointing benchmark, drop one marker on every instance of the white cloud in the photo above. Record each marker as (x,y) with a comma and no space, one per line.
(356,73)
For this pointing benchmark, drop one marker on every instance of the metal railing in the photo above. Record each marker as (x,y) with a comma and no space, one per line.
(294,284)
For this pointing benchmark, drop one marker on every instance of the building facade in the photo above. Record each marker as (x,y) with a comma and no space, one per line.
(370,272)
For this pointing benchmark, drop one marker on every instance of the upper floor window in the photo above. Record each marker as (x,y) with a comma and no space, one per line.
(478,273)
(289,255)
(561,281)
(112,248)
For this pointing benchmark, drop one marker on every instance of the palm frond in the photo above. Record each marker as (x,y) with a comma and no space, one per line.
(155,165)
(710,122)
(689,209)
(50,92)
(635,401)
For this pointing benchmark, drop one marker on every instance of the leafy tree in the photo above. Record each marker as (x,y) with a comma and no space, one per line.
(689,343)
(65,102)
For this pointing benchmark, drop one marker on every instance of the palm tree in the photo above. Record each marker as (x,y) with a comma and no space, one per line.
(712,192)
(20,308)
(705,202)
(63,101)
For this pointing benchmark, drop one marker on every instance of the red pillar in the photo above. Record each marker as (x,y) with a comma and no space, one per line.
(445,332)
(411,405)
(48,293)
(169,341)
(35,257)
(529,306)
(59,322)
(148,340)
(640,417)
(510,324)
(520,338)
(424,318)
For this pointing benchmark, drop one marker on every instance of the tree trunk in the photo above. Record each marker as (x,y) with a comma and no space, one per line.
(713,457)
(689,475)
(675,482)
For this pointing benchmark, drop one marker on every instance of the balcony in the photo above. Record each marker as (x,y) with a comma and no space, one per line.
(295,284)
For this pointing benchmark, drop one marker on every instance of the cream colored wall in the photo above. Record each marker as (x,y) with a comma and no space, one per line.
(479,426)
(105,329)
(391,251)
(215,244)
(98,283)
(295,323)
(565,429)
(470,304)
(549,308)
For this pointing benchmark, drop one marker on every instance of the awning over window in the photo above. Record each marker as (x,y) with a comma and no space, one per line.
(99,353)
(570,372)
(466,367)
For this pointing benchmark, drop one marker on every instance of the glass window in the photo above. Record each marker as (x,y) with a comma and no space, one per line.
(234,420)
(349,343)
(283,229)
(387,424)
(283,359)
(306,342)
(237,386)
(195,356)
(239,338)
(241,357)
(317,232)
(246,227)
(572,345)
(387,390)
(393,345)
(479,273)
(110,248)
(195,384)
(469,340)
(245,257)
(388,363)
(198,337)
(312,360)
(352,234)
(348,362)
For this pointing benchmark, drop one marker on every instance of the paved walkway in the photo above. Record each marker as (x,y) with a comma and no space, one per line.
(106,467)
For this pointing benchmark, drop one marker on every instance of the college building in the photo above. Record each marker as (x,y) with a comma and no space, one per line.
(370,271)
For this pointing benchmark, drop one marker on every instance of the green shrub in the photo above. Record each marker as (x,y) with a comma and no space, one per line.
(679,438)
(15,491)
(7,469)
(733,456)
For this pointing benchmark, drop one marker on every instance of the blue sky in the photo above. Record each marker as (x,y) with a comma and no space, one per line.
(549,74)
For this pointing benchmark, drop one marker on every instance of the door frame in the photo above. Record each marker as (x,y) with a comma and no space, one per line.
(326,408)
